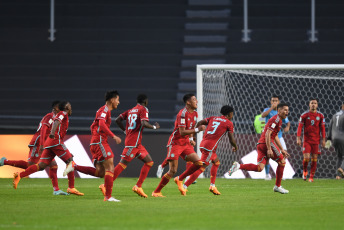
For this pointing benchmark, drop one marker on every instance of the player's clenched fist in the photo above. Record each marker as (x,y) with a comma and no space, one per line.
(117,139)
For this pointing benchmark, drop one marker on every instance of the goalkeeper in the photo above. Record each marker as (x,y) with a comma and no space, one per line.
(336,137)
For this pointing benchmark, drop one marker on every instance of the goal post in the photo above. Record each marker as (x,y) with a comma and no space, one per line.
(248,88)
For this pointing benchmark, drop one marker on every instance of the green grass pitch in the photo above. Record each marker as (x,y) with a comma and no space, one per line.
(244,204)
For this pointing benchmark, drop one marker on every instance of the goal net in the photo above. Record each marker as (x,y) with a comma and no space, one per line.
(248,88)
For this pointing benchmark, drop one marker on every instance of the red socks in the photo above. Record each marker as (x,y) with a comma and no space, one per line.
(249,167)
(164,181)
(193,168)
(313,167)
(213,172)
(118,169)
(53,177)
(18,164)
(305,164)
(144,172)
(108,183)
(279,174)
(194,176)
(71,179)
(87,170)
(31,169)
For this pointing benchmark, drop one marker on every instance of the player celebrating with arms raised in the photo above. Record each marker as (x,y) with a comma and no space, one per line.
(269,146)
(314,123)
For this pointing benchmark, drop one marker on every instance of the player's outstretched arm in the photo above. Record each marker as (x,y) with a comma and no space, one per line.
(146,124)
(233,142)
(185,132)
(119,123)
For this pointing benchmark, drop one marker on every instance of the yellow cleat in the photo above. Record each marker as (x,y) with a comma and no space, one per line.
(74,191)
(139,191)
(181,189)
(102,189)
(214,190)
(157,194)
(16,179)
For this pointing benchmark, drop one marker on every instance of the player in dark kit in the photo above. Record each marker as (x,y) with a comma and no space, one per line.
(136,120)
(314,125)
(54,146)
(181,142)
(268,146)
(217,127)
(36,149)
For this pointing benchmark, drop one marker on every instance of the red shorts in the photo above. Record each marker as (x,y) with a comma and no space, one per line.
(34,154)
(207,156)
(262,153)
(100,152)
(311,148)
(174,151)
(49,154)
(129,154)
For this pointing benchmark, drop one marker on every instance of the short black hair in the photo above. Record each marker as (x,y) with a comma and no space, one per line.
(54,103)
(281,105)
(226,109)
(141,98)
(187,97)
(313,99)
(62,105)
(111,94)
(275,96)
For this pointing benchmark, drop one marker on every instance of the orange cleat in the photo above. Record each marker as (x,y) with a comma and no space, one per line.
(310,180)
(74,191)
(304,175)
(181,189)
(139,191)
(157,194)
(102,189)
(16,179)
(214,190)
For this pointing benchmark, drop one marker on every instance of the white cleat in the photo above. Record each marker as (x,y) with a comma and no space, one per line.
(235,167)
(226,175)
(281,190)
(267,177)
(69,168)
(112,199)
(160,171)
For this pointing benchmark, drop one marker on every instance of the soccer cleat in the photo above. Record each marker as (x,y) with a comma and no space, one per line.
(160,171)
(69,168)
(60,192)
(338,178)
(267,177)
(181,189)
(304,175)
(157,194)
(74,191)
(2,161)
(235,167)
(102,189)
(214,190)
(281,190)
(341,171)
(139,191)
(16,179)
(310,180)
(111,199)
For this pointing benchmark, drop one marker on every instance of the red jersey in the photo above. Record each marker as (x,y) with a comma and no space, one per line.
(60,132)
(134,127)
(274,124)
(184,119)
(46,120)
(99,135)
(314,124)
(216,129)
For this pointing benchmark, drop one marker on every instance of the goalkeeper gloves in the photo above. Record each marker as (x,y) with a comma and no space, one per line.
(328,144)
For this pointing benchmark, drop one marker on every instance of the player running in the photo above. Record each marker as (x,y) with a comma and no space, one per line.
(269,146)
(181,142)
(54,146)
(136,120)
(217,127)
(314,123)
(102,155)
(36,149)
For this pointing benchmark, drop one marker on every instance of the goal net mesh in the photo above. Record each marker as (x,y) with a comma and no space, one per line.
(249,91)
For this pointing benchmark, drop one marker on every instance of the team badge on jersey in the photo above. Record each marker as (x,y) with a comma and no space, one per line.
(61,117)
(273,125)
(103,115)
(318,118)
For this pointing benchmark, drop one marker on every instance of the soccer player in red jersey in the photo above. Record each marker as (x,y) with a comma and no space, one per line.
(314,125)
(181,142)
(102,155)
(36,149)
(54,146)
(136,120)
(269,146)
(217,127)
